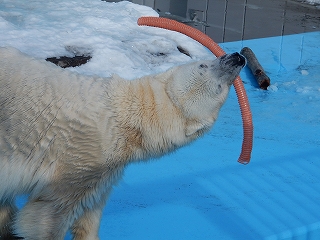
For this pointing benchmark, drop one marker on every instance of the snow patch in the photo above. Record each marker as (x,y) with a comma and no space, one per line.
(106,31)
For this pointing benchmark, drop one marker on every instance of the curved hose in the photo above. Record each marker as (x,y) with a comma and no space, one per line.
(216,50)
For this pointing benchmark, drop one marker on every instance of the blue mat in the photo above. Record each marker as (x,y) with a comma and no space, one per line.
(201,192)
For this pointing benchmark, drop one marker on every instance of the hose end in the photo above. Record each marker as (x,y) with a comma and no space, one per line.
(243,161)
(244,157)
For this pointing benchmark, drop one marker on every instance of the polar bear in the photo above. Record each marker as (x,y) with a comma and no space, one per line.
(65,138)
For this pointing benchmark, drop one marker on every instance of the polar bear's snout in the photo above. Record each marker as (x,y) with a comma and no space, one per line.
(234,59)
(238,59)
(226,68)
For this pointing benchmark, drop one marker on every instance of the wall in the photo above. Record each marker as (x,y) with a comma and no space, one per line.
(233,20)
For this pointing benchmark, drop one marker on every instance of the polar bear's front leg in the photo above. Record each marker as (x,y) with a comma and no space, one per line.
(52,213)
(42,219)
(86,227)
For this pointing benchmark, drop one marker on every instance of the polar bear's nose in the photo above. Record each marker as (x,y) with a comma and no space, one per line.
(237,59)
(233,60)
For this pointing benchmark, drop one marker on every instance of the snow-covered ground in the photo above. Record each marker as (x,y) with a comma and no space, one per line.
(199,192)
(107,31)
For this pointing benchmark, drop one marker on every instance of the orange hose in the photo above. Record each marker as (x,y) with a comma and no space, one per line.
(216,50)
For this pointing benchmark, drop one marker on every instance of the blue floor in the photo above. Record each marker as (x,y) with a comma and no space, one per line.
(201,192)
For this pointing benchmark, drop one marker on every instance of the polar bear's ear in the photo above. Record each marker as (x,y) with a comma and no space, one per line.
(193,126)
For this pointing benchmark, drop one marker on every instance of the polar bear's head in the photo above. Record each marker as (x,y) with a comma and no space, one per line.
(199,89)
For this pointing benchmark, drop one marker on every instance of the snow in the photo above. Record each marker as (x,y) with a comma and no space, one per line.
(200,191)
(107,31)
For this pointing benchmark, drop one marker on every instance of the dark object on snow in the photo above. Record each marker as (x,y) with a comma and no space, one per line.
(65,62)
(184,51)
(255,67)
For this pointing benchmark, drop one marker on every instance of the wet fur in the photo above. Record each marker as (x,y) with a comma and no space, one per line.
(65,139)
